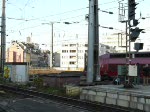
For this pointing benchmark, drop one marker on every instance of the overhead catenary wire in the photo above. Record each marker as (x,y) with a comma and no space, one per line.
(66,11)
(26,4)
(72,10)
(27,20)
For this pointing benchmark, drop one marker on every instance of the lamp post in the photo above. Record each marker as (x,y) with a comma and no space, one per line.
(51,45)
(51,53)
(52,33)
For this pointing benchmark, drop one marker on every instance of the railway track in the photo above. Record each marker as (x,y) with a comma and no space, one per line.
(86,105)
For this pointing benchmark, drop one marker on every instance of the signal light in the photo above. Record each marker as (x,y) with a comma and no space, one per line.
(135,33)
(135,22)
(131,8)
(138,46)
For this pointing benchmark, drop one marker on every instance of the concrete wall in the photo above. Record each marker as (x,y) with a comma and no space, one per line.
(121,98)
(72,90)
(60,81)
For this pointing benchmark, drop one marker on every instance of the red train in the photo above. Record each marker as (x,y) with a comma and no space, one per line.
(109,62)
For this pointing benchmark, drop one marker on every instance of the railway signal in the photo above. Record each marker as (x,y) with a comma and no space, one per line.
(135,33)
(138,46)
(131,8)
(135,22)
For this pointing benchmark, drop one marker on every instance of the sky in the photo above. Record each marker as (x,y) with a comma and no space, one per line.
(33,18)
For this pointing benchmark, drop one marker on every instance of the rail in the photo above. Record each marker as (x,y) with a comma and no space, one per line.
(92,106)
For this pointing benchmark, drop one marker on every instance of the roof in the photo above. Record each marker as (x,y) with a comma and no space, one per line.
(16,63)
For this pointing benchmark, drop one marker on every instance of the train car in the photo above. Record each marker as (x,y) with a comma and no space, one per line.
(109,62)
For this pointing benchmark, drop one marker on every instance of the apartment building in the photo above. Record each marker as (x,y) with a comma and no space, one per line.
(72,55)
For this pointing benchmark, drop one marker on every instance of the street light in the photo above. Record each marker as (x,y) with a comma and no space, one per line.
(51,45)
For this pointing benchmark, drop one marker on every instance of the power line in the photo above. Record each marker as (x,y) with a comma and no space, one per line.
(26,4)
(66,11)
(107,2)
(41,24)
(60,13)
(17,19)
(26,28)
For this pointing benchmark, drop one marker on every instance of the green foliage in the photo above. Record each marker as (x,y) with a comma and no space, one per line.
(38,82)
(53,90)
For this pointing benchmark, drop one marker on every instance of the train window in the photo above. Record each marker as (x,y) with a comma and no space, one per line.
(142,55)
(117,55)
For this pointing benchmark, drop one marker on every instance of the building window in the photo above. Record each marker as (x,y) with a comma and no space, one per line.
(86,45)
(72,51)
(72,57)
(72,45)
(71,63)
(64,51)
(65,45)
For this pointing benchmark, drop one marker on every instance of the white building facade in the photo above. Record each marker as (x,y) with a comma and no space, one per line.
(115,41)
(73,55)
(104,49)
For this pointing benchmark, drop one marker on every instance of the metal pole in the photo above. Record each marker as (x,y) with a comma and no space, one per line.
(77,52)
(129,30)
(3,37)
(129,84)
(129,26)
(126,40)
(51,46)
(93,42)
(52,43)
(127,61)
(96,44)
(90,71)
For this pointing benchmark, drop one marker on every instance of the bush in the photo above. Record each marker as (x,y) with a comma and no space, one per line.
(38,82)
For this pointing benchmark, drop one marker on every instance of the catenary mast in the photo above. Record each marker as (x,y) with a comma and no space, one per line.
(93,42)
(3,37)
